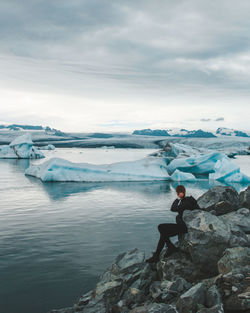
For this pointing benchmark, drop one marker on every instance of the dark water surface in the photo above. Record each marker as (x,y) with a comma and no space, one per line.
(57,238)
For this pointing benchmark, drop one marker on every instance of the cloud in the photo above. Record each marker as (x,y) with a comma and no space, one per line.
(205,119)
(219,119)
(138,54)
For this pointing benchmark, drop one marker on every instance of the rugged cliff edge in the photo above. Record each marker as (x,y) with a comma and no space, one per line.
(209,274)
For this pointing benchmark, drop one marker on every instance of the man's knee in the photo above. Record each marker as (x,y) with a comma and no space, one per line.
(160,227)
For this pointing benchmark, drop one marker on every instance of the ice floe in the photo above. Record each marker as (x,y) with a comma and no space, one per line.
(219,167)
(227,171)
(214,166)
(21,147)
(56,169)
(48,147)
(181,176)
(198,164)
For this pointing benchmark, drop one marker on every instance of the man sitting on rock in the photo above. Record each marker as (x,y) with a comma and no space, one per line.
(168,230)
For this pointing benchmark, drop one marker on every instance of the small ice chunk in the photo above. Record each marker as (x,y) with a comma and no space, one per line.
(181,176)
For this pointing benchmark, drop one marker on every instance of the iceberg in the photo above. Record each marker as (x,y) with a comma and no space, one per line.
(227,171)
(181,176)
(57,169)
(218,165)
(198,164)
(21,147)
(48,147)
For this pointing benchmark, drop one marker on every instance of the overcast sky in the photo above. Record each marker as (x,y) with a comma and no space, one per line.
(122,65)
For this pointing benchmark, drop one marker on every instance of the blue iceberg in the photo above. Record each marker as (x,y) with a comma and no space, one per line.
(181,176)
(227,171)
(199,164)
(56,169)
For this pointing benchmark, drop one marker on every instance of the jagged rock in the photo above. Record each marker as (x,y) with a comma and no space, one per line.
(235,260)
(221,199)
(215,309)
(179,264)
(179,286)
(240,218)
(123,285)
(168,291)
(245,198)
(155,308)
(124,271)
(94,306)
(188,302)
(234,289)
(234,282)
(65,310)
(207,238)
(85,298)
(213,297)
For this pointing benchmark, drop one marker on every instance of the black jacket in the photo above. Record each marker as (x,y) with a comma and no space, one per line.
(179,205)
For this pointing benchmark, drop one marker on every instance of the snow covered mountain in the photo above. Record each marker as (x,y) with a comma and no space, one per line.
(175,133)
(231,132)
(181,132)
(19,127)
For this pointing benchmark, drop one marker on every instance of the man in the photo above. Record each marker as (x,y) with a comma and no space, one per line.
(168,230)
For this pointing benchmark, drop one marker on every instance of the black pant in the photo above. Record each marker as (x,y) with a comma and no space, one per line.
(166,231)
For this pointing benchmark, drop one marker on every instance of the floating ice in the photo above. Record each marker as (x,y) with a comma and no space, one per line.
(48,147)
(227,171)
(56,169)
(216,164)
(181,176)
(21,147)
(200,164)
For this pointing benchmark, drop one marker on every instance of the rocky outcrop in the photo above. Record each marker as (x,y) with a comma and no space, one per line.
(207,238)
(234,283)
(219,200)
(239,218)
(210,273)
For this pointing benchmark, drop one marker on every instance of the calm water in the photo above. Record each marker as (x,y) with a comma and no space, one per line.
(57,238)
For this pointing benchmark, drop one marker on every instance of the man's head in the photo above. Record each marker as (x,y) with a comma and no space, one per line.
(181,191)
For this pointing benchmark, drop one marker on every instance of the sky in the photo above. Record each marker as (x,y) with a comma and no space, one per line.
(99,65)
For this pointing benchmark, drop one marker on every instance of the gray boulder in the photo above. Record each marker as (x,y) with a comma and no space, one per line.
(168,291)
(155,308)
(124,284)
(235,260)
(220,199)
(245,198)
(240,218)
(207,238)
(218,308)
(188,302)
(235,292)
(179,264)
(213,297)
(234,281)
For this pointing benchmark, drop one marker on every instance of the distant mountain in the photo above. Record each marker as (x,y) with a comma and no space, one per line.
(231,132)
(21,127)
(175,133)
(150,132)
(47,129)
(101,135)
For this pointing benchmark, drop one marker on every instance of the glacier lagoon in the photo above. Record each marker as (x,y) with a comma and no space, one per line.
(57,238)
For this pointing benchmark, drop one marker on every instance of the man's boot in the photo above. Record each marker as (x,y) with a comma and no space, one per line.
(154,259)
